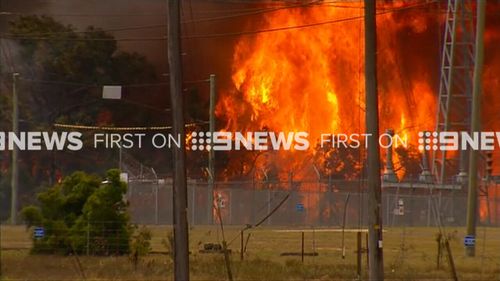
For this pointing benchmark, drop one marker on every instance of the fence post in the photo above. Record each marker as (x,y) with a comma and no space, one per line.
(242,246)
(252,216)
(157,185)
(302,250)
(359,253)
(387,203)
(229,202)
(438,211)
(193,203)
(88,237)
(367,252)
(495,201)
(269,203)
(329,192)
(292,193)
(428,211)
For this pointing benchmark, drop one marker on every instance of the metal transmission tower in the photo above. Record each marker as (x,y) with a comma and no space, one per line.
(455,89)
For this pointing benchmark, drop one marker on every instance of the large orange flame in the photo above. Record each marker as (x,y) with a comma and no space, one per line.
(312,79)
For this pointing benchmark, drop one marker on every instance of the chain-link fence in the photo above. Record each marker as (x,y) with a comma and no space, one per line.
(301,203)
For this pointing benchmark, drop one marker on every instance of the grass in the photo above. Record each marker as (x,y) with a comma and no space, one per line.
(415,259)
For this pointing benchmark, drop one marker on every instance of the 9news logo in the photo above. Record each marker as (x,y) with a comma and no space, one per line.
(201,140)
(262,141)
(453,141)
(428,140)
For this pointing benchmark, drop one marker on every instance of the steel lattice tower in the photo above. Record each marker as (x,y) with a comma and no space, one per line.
(455,89)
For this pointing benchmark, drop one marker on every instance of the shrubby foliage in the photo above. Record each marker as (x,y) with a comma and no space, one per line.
(82,214)
(141,245)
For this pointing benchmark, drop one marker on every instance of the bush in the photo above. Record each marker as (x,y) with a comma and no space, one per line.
(141,245)
(32,216)
(82,214)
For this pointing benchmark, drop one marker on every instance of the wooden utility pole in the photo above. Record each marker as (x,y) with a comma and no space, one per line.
(211,152)
(376,264)
(475,126)
(181,244)
(14,180)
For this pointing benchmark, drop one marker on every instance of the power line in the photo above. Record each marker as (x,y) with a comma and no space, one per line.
(93,85)
(303,26)
(128,28)
(270,2)
(111,83)
(215,35)
(17,37)
(57,82)
(259,11)
(256,12)
(80,15)
(243,12)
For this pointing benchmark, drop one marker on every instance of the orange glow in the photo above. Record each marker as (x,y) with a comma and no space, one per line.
(187,143)
(312,79)
(403,131)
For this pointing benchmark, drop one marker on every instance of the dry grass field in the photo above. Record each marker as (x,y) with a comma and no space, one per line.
(409,253)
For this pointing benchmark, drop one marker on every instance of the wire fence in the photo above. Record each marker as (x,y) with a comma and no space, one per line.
(307,203)
(310,227)
(411,253)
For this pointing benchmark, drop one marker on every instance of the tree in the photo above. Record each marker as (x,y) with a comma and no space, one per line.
(52,51)
(82,213)
(105,219)
(61,70)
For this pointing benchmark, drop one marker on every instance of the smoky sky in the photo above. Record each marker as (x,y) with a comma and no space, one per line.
(145,20)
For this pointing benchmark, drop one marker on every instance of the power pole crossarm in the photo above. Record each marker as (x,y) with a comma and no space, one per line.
(181,245)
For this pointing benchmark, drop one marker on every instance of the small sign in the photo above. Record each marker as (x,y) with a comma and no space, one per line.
(124,177)
(469,241)
(299,207)
(221,202)
(399,211)
(39,232)
(112,92)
